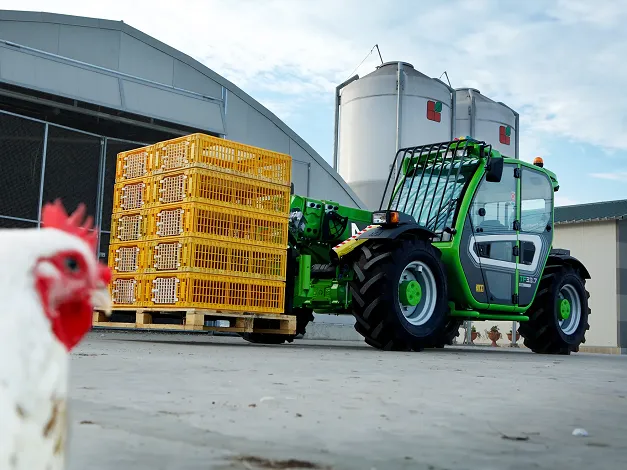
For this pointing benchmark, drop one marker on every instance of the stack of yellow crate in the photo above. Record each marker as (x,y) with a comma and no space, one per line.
(200,222)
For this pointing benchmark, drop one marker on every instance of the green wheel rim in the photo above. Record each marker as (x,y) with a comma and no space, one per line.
(564,309)
(410,293)
(417,293)
(569,309)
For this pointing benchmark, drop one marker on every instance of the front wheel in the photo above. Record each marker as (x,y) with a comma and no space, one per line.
(558,317)
(400,298)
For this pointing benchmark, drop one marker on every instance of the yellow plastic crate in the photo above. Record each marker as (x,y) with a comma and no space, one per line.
(125,258)
(223,189)
(127,291)
(136,163)
(128,196)
(214,292)
(200,150)
(209,221)
(194,254)
(126,227)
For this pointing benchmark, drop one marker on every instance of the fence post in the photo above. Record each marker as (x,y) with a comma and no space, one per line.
(101,181)
(43,175)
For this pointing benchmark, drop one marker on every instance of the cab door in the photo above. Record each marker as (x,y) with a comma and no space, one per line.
(536,230)
(492,244)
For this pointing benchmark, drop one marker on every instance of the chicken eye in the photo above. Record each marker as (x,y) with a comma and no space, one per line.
(71,264)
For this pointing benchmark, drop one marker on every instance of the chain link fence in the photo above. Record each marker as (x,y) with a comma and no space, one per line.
(42,162)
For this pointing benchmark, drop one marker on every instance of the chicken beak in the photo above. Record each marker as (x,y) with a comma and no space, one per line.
(101,300)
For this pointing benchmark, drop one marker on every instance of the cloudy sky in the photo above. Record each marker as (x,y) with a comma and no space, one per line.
(560,63)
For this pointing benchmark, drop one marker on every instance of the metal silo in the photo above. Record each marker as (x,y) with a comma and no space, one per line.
(375,117)
(494,122)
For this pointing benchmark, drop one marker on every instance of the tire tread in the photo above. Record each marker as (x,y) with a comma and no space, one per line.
(375,320)
(540,333)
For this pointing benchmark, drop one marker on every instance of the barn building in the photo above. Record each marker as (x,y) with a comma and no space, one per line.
(76,91)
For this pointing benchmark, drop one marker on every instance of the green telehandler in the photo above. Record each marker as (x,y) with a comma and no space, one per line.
(463,233)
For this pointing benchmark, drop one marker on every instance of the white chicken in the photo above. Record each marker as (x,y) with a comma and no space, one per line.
(49,285)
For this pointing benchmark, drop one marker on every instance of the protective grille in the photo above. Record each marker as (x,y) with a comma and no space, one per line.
(429,180)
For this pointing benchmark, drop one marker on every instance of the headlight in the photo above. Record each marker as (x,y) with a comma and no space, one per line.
(385,218)
(379,218)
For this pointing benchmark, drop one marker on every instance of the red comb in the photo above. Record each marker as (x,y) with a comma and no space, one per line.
(54,216)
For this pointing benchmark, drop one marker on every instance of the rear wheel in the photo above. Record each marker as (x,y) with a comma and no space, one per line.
(451,331)
(558,317)
(400,295)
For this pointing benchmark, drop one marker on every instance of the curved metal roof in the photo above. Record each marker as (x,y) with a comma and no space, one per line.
(591,212)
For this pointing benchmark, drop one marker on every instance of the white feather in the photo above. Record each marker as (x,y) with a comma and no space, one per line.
(33,364)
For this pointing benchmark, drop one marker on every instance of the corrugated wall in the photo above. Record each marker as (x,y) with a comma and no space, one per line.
(621,283)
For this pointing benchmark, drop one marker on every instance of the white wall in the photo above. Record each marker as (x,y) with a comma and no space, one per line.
(594,244)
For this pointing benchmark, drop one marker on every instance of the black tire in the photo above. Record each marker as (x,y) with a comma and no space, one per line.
(542,333)
(378,266)
(303,317)
(451,331)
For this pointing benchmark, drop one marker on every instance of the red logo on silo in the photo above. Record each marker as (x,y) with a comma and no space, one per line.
(504,134)
(434,111)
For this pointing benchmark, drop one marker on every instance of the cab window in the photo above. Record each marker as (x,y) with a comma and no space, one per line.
(536,205)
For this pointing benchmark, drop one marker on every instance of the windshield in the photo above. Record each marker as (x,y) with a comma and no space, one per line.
(431,195)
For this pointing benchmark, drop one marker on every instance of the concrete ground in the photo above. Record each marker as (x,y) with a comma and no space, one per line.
(159,401)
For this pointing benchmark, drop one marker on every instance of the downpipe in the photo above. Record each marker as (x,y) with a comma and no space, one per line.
(336,136)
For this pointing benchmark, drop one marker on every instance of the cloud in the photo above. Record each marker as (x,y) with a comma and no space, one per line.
(560,63)
(617,176)
(565,201)
(531,146)
(283,109)
(563,65)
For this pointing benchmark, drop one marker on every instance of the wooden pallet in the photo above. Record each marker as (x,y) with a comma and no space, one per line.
(195,320)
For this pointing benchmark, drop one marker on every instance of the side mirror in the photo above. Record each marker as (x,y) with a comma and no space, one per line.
(494,169)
